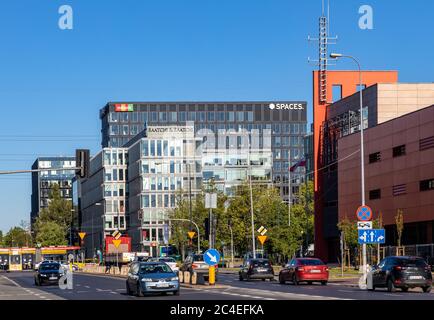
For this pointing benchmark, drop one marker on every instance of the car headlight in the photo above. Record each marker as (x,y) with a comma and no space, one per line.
(146,279)
(43,275)
(174,279)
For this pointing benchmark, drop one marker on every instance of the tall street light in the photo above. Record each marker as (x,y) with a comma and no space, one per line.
(362,152)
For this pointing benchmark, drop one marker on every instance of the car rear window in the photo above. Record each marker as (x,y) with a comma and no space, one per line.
(155,268)
(167,260)
(260,264)
(311,262)
(420,263)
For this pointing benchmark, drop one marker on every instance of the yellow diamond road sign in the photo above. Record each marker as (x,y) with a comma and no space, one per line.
(82,235)
(116,242)
(262,239)
(191,234)
(116,234)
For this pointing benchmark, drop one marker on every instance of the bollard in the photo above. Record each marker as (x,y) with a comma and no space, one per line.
(194,278)
(181,277)
(186,277)
(211,279)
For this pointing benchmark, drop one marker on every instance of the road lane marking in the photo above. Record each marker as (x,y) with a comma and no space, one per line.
(87,287)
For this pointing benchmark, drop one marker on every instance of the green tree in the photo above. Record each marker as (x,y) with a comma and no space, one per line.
(17,237)
(1,238)
(59,212)
(51,234)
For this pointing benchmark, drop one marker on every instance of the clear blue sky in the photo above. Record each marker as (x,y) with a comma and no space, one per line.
(53,82)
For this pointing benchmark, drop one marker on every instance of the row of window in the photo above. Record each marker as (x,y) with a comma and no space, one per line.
(275,128)
(162,116)
(158,201)
(170,167)
(115,174)
(161,148)
(155,234)
(125,130)
(115,206)
(114,190)
(293,141)
(401,189)
(398,151)
(114,222)
(115,157)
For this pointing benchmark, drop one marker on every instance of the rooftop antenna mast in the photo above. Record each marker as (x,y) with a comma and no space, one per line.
(324,40)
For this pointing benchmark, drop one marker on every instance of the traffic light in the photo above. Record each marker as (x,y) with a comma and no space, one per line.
(206,228)
(82,163)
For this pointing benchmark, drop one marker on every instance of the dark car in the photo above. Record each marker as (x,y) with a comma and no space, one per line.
(256,269)
(401,272)
(151,277)
(304,269)
(49,273)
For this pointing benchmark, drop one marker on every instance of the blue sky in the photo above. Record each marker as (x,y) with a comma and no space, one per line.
(53,82)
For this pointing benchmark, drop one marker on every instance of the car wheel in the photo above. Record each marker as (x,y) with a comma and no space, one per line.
(295,280)
(404,289)
(264,279)
(390,286)
(139,291)
(281,280)
(309,282)
(176,293)
(36,282)
(426,289)
(241,278)
(324,283)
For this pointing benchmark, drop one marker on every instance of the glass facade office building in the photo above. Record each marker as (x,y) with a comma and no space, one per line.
(55,170)
(160,166)
(286,120)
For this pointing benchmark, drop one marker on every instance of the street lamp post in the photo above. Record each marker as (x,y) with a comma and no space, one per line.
(362,153)
(251,206)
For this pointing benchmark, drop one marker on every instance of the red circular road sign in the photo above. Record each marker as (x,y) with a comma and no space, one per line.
(364,213)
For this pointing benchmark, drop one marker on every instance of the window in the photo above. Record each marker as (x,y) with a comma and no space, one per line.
(125,130)
(399,190)
(192,116)
(426,185)
(211,116)
(143,117)
(182,116)
(250,116)
(163,117)
(375,194)
(240,116)
(426,143)
(231,116)
(154,116)
(173,117)
(375,157)
(134,117)
(113,117)
(201,116)
(399,151)
(221,116)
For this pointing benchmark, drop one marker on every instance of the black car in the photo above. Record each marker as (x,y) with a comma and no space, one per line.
(49,273)
(256,269)
(401,272)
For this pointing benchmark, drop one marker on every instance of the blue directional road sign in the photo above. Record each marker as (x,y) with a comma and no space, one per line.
(211,257)
(371,236)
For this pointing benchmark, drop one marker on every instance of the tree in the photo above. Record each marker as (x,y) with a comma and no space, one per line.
(17,237)
(51,234)
(1,238)
(399,220)
(59,212)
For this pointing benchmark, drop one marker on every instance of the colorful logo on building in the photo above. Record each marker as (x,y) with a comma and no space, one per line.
(124,107)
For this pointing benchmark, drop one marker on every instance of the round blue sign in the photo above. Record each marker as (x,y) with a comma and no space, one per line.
(211,257)
(364,213)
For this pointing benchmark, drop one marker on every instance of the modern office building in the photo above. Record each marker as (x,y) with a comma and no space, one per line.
(55,170)
(121,121)
(160,166)
(399,174)
(103,197)
(308,155)
(383,101)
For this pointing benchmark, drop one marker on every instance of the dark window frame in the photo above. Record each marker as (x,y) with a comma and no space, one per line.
(375,194)
(399,151)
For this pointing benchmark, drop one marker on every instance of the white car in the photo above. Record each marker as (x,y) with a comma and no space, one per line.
(169,261)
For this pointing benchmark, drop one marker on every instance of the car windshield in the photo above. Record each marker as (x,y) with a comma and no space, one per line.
(311,262)
(167,260)
(419,263)
(198,257)
(155,268)
(260,264)
(50,266)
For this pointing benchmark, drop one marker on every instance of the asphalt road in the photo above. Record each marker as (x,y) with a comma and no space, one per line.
(20,286)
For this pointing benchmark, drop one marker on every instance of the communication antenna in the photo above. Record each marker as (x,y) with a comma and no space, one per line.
(324,40)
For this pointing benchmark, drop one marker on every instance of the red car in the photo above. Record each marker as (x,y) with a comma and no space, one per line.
(304,270)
